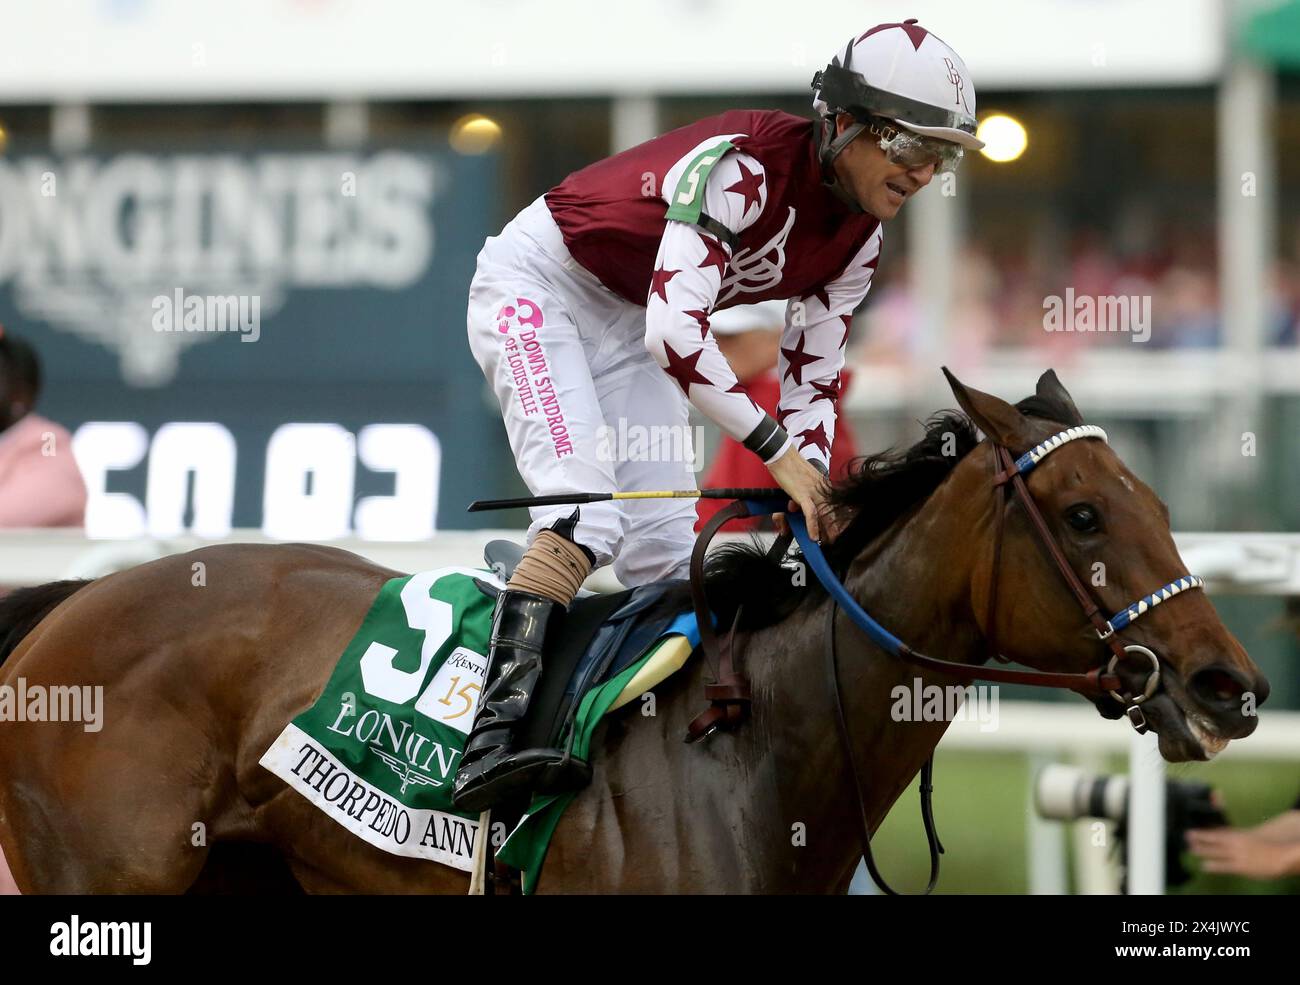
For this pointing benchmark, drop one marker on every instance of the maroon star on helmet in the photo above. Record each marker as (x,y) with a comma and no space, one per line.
(827,391)
(814,436)
(914,31)
(798,359)
(682,369)
(740,388)
(702,317)
(717,255)
(782,414)
(659,282)
(748,186)
(848,323)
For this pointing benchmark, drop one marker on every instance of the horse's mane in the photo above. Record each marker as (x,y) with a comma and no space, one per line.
(877,492)
(23,608)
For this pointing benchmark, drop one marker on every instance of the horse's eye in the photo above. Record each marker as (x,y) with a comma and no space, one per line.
(1083,518)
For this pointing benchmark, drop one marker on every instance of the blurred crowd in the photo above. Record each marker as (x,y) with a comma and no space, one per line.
(1000,298)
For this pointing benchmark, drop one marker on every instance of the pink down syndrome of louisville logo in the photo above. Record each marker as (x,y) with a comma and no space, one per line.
(522,314)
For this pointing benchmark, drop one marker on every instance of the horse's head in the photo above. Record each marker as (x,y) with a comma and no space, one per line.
(1114,534)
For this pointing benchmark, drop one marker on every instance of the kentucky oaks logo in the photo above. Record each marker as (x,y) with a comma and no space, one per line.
(88,244)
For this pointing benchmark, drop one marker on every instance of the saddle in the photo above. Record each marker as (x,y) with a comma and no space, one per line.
(597,638)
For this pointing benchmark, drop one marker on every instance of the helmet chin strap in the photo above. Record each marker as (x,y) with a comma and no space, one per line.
(830,146)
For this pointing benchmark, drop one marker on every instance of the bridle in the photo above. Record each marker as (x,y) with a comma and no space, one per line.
(1013,473)
(730,693)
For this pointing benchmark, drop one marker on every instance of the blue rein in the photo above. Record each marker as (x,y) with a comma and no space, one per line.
(812,553)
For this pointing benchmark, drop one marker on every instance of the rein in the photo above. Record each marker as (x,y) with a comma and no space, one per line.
(730,694)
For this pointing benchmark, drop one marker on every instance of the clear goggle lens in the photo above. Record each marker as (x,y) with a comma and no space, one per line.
(915,150)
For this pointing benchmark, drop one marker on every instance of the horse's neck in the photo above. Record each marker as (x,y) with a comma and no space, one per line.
(916,585)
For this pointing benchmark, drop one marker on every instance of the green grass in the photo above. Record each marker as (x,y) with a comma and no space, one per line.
(981,801)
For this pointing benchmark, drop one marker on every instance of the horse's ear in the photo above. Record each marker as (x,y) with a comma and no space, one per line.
(1050,388)
(992,415)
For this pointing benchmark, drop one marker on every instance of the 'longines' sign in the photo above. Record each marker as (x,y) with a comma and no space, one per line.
(97,245)
(246,336)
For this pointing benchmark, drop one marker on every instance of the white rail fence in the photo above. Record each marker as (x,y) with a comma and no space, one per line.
(1232,563)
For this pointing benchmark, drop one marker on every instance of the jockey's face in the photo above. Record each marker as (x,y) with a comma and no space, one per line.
(878,186)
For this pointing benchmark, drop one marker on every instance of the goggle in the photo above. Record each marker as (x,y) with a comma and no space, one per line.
(914,150)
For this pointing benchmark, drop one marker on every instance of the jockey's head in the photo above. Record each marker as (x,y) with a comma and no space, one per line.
(911,94)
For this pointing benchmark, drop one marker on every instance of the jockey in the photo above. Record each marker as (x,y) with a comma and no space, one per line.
(589,316)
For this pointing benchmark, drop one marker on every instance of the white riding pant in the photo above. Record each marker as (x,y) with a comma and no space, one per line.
(586,408)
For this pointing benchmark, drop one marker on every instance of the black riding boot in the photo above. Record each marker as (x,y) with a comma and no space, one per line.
(491,770)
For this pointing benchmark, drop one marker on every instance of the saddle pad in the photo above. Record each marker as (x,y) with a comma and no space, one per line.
(378,750)
(597,638)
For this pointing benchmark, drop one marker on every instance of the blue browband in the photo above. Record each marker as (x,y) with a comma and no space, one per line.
(1121,619)
(1026,462)
(886,640)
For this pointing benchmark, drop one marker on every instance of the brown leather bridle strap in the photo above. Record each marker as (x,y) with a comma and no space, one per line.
(1093,682)
(1045,537)
(995,570)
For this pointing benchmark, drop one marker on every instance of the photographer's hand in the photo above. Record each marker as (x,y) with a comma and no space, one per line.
(1234,851)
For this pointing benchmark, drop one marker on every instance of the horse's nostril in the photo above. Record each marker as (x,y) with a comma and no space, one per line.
(1260,689)
(1217,685)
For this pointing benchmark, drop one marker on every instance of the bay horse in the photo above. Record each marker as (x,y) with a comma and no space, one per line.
(199,680)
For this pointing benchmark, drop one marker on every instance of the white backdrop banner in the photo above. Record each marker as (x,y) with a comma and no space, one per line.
(97,51)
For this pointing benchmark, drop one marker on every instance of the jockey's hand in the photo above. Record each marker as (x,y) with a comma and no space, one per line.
(808,491)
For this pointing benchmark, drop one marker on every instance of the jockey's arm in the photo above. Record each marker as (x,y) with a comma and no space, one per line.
(684,288)
(812,354)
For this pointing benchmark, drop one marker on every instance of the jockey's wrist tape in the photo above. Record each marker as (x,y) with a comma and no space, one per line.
(768,440)
(553,566)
